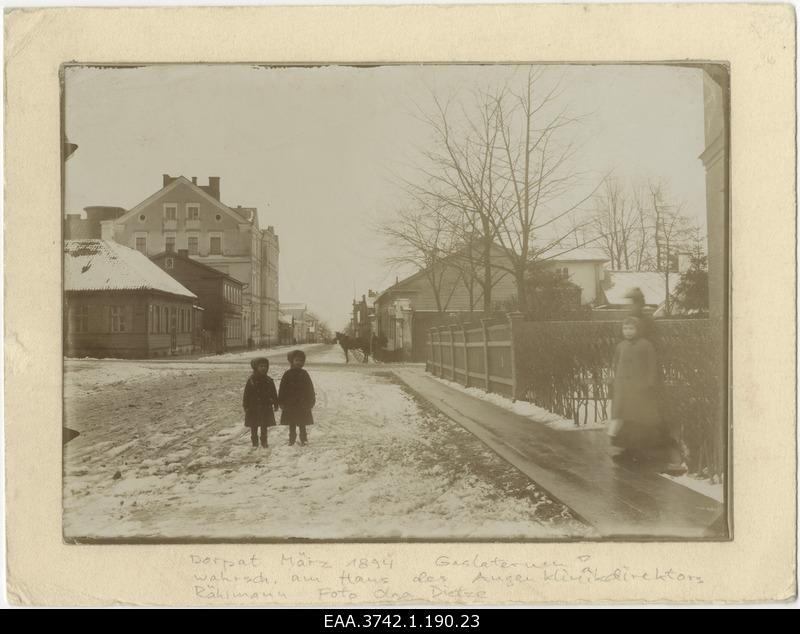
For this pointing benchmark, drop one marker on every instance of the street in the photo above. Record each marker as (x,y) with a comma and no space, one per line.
(163,453)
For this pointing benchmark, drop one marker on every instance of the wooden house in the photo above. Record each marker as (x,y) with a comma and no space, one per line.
(219,294)
(117,303)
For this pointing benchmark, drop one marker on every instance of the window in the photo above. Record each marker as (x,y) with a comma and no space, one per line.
(173,320)
(216,245)
(170,211)
(80,319)
(193,246)
(164,319)
(117,319)
(141,244)
(142,217)
(169,263)
(193,212)
(169,244)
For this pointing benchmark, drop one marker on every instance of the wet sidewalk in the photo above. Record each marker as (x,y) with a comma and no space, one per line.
(576,469)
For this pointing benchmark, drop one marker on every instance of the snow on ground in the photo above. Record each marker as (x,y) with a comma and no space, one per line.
(246,355)
(526,409)
(83,377)
(168,456)
(712,489)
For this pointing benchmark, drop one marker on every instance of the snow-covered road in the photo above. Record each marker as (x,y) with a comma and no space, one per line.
(163,453)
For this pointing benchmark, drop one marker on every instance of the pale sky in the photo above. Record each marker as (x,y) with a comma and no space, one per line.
(318,150)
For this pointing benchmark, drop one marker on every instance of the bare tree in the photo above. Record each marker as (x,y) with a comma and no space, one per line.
(616,225)
(537,177)
(422,239)
(503,163)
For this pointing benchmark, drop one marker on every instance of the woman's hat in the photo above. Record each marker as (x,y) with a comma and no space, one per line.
(635,294)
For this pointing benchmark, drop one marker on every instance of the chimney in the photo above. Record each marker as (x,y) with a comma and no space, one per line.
(107,230)
(166,179)
(213,186)
(194,180)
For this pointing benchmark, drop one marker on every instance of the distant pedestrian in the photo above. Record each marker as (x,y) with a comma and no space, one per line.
(260,401)
(296,397)
(635,394)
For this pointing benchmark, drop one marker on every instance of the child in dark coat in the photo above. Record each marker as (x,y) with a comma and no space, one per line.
(296,397)
(635,395)
(260,401)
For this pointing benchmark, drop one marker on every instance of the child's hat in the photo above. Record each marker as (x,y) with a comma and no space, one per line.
(259,361)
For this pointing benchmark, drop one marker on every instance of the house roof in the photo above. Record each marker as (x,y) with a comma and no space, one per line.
(98,265)
(616,285)
(239,215)
(285,319)
(293,306)
(205,267)
(565,254)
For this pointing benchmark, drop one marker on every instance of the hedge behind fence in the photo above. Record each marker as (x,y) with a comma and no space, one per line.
(565,367)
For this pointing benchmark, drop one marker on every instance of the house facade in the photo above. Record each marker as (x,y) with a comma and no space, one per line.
(405,312)
(298,314)
(363,321)
(117,303)
(183,215)
(218,294)
(582,267)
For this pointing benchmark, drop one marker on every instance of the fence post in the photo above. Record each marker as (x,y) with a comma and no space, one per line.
(441,347)
(485,328)
(466,356)
(515,330)
(431,358)
(452,330)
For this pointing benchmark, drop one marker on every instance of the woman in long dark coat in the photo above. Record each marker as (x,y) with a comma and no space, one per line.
(260,401)
(635,395)
(296,397)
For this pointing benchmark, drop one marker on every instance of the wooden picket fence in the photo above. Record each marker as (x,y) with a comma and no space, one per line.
(564,367)
(473,355)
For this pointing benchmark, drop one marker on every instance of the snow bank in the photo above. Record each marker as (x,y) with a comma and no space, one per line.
(524,408)
(712,489)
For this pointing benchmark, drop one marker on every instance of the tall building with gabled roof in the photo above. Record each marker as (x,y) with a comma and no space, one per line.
(183,215)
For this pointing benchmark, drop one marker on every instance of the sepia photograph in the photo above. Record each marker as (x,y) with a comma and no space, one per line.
(395,302)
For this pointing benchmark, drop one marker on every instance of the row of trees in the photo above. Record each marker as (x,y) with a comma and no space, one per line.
(497,192)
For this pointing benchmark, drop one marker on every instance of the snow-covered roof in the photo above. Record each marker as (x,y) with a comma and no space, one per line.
(652,284)
(100,265)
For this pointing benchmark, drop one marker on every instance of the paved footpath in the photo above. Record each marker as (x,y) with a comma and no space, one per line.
(575,468)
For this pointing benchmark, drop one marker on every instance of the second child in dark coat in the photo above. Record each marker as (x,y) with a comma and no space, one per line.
(260,401)
(296,397)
